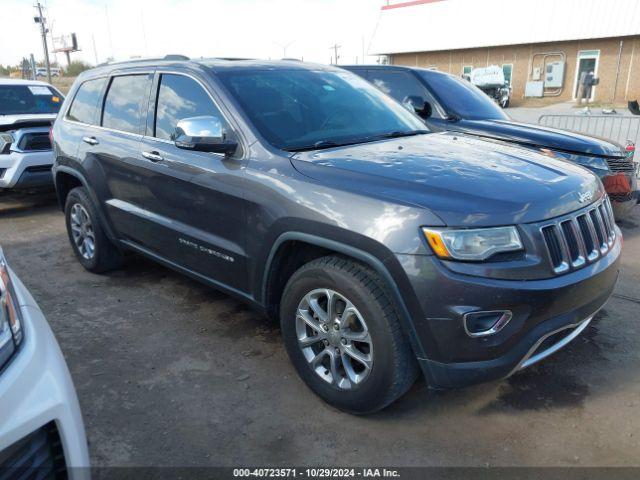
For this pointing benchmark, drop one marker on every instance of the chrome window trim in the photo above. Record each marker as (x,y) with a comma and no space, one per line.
(106,129)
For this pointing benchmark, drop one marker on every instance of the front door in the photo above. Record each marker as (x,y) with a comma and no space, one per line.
(194,209)
(587,62)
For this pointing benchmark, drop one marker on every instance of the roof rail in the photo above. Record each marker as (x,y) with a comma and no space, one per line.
(148,59)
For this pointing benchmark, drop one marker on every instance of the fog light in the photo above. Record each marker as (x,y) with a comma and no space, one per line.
(481,324)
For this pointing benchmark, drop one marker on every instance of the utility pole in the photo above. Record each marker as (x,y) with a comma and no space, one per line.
(33,67)
(43,31)
(95,52)
(284,47)
(335,48)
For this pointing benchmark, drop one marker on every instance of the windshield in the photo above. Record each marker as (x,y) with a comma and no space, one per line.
(24,99)
(304,109)
(460,97)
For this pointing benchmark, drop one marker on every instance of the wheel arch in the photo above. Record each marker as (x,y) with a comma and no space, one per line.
(273,284)
(65,180)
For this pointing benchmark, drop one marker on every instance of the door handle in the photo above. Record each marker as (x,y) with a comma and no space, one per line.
(153,156)
(90,140)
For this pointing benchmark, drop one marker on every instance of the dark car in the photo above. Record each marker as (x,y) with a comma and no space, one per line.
(454,104)
(308,193)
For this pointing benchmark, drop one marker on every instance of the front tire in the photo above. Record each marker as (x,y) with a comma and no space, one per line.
(343,335)
(93,249)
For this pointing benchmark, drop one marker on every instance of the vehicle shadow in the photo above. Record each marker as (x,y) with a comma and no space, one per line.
(561,381)
(231,318)
(19,204)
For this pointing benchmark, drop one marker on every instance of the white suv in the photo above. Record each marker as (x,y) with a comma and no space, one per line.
(27,110)
(41,429)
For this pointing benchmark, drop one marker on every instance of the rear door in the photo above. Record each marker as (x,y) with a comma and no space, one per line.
(116,146)
(193,204)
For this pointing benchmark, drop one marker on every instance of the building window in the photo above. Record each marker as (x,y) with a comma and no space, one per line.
(466,70)
(507,69)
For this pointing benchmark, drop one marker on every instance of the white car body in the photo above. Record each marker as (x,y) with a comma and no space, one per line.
(42,72)
(21,167)
(36,390)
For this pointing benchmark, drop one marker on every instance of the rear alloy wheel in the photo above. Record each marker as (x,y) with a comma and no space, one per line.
(343,335)
(93,249)
(334,338)
(82,231)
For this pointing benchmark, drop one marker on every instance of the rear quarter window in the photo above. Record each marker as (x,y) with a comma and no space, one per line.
(86,102)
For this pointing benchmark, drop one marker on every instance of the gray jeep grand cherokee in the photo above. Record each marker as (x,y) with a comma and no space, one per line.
(383,249)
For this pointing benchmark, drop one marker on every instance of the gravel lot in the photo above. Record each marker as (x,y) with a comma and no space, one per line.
(170,372)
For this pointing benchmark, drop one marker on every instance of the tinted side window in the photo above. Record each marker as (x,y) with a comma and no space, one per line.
(125,99)
(180,97)
(397,84)
(86,103)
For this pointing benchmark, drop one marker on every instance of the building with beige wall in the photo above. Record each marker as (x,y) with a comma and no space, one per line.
(525,38)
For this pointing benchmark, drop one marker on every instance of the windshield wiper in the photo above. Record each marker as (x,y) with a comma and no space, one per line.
(452,117)
(322,144)
(398,134)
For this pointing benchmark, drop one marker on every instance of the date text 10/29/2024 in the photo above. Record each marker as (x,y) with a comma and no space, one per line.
(316,473)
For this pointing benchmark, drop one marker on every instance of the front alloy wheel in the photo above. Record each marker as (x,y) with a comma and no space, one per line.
(334,338)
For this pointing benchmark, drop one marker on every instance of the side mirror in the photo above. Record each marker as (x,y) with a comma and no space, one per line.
(203,134)
(418,104)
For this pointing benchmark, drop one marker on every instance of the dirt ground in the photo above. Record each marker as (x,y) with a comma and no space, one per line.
(170,372)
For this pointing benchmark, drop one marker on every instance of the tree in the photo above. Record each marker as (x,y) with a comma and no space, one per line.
(76,68)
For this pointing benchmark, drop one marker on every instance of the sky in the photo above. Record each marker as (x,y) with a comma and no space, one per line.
(123,29)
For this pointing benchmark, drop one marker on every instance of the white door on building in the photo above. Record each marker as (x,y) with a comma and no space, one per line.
(586,62)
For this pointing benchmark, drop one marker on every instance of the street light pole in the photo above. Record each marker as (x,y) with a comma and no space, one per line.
(43,32)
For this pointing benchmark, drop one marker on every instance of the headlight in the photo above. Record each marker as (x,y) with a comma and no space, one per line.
(472,244)
(10,324)
(6,139)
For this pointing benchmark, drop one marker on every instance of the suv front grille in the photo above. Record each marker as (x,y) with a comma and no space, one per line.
(35,141)
(38,455)
(580,238)
(621,165)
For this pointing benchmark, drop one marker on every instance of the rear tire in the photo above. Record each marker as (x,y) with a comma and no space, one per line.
(362,362)
(93,249)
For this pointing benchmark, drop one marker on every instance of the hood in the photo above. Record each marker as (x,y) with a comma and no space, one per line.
(539,136)
(13,122)
(463,180)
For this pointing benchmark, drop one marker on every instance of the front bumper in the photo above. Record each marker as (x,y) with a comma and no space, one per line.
(543,311)
(26,169)
(36,392)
